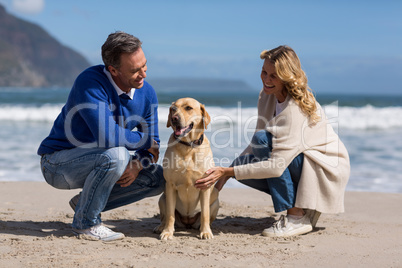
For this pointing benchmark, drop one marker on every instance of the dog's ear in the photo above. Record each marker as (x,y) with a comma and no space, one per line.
(169,122)
(205,116)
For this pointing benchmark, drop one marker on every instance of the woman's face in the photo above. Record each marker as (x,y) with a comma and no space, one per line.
(272,84)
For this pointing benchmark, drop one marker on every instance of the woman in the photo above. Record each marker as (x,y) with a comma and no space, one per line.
(295,155)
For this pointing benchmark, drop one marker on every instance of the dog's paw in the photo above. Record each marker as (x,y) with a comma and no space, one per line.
(166,235)
(206,235)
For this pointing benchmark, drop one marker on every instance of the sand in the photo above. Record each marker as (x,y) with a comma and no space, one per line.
(35,231)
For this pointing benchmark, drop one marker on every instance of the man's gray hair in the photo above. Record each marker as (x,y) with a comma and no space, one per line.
(115,45)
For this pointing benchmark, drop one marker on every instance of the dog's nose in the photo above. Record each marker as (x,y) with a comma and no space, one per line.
(175,118)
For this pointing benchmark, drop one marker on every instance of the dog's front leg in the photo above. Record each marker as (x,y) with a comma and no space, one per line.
(205,228)
(168,231)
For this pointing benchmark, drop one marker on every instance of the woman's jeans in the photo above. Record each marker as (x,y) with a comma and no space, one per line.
(96,171)
(282,189)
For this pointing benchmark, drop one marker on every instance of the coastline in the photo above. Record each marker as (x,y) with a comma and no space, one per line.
(35,231)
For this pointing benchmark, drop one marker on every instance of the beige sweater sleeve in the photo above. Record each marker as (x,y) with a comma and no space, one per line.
(286,129)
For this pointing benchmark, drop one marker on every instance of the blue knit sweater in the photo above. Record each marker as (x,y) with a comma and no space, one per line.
(95,116)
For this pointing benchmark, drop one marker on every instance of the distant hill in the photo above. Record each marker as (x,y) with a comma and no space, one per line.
(29,56)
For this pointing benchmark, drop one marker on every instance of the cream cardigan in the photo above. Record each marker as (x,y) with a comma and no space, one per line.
(326,166)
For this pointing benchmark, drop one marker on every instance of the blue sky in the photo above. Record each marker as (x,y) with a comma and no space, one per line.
(345,46)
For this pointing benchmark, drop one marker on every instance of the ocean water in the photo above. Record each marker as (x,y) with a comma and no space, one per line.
(370,126)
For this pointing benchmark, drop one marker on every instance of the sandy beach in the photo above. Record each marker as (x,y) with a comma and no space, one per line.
(35,231)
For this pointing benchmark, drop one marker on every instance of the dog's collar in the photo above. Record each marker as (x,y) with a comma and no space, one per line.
(192,144)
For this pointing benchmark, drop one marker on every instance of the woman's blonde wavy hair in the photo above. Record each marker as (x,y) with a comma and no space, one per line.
(288,69)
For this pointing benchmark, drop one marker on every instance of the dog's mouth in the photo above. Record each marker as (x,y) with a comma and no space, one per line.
(182,131)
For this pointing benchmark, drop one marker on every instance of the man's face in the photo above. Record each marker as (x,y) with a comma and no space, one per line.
(132,71)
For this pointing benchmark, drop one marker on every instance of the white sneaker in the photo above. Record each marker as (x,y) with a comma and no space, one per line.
(287,226)
(99,232)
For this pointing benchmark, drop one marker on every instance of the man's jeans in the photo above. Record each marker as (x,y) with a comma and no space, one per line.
(282,189)
(96,171)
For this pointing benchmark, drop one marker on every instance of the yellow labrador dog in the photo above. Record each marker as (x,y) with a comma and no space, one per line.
(186,160)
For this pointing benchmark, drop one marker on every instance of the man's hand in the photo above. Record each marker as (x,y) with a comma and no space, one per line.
(130,174)
(154,150)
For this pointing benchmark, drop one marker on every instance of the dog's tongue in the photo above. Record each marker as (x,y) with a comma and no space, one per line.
(179,131)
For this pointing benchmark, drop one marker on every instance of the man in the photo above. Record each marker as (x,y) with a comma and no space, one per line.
(110,112)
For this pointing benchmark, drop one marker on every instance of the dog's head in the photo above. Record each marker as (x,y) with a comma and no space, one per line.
(188,118)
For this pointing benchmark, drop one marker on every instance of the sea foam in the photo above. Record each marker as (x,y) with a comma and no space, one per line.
(357,118)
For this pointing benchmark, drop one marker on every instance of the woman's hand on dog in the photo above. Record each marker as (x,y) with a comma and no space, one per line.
(213,175)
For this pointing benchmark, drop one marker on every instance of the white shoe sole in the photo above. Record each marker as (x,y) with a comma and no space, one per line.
(116,236)
(299,231)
